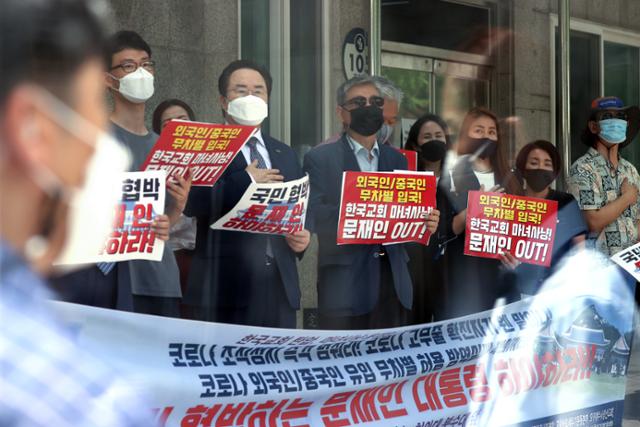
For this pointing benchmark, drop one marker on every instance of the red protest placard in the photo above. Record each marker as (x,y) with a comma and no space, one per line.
(205,148)
(385,207)
(523,226)
(412,159)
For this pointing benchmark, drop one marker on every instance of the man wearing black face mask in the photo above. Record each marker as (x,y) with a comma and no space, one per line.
(359,286)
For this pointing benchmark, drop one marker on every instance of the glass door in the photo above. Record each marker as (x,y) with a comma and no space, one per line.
(413,75)
(458,88)
(446,88)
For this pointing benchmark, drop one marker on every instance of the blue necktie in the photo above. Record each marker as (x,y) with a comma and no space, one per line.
(254,154)
(105,267)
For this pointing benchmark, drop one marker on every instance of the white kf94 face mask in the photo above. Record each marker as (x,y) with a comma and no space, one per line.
(92,206)
(137,87)
(248,110)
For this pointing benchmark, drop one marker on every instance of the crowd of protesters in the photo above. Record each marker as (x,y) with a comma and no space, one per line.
(59,144)
(253,279)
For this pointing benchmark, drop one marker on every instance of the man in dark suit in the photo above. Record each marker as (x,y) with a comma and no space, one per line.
(359,286)
(238,277)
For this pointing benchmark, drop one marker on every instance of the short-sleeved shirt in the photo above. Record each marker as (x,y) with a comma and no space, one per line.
(595,182)
(149,278)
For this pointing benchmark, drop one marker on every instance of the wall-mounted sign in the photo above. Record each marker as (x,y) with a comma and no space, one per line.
(355,53)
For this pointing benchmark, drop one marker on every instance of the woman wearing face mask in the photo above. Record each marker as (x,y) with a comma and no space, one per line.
(429,136)
(474,283)
(538,164)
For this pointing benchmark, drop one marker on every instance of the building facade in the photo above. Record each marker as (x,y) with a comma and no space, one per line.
(447,56)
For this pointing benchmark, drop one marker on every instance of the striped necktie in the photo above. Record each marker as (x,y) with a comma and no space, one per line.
(254,154)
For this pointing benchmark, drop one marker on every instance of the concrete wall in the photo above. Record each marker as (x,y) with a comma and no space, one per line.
(345,15)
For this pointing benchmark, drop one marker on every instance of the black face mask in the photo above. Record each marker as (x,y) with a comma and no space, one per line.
(433,150)
(484,146)
(366,120)
(538,179)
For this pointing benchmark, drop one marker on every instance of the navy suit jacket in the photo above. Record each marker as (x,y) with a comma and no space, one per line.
(228,265)
(349,275)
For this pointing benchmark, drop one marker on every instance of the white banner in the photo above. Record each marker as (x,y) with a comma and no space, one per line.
(560,357)
(274,208)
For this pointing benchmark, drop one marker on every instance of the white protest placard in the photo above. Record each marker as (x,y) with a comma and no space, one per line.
(142,199)
(629,259)
(273,208)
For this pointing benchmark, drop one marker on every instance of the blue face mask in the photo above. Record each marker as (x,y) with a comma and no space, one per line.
(614,131)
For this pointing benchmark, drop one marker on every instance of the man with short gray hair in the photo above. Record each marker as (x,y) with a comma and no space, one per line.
(392,96)
(392,99)
(359,286)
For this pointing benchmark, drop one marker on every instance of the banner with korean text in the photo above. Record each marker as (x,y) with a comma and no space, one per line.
(523,226)
(385,207)
(629,259)
(143,198)
(560,357)
(205,148)
(273,208)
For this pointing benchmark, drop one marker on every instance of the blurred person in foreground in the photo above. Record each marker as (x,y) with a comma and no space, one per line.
(52,147)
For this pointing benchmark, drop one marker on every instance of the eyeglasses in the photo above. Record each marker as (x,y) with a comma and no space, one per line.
(613,114)
(361,101)
(243,91)
(130,67)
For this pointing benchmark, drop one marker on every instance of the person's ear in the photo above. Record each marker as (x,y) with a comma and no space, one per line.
(343,115)
(27,129)
(224,105)
(111,82)
(594,127)
(224,102)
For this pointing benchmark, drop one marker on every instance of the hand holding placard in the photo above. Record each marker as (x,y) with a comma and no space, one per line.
(499,223)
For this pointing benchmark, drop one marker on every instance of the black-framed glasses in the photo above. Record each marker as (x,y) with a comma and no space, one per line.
(361,101)
(612,114)
(130,67)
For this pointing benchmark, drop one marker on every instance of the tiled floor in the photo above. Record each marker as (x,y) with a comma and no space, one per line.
(632,399)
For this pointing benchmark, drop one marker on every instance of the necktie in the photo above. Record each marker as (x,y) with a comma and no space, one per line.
(254,154)
(106,267)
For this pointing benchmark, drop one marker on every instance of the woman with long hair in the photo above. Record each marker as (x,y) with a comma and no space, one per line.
(474,283)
